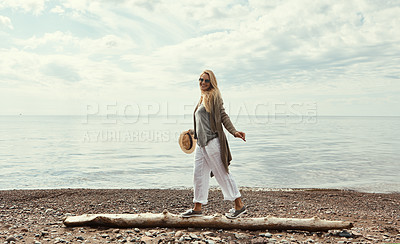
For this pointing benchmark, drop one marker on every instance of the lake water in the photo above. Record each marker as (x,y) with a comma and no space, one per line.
(41,152)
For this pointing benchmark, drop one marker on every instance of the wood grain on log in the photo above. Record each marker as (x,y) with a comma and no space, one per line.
(218,221)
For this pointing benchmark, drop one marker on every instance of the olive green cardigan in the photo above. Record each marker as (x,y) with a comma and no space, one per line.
(217,118)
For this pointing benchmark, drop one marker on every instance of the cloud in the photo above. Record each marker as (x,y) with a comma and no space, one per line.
(291,48)
(66,42)
(5,22)
(35,7)
(57,9)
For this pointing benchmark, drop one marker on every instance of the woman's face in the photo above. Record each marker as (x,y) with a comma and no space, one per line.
(204,82)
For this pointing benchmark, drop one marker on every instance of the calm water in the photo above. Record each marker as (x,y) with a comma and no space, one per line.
(361,153)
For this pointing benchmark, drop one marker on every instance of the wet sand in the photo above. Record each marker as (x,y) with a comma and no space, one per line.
(35,216)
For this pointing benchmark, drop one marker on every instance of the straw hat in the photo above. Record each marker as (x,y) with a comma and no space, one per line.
(187,142)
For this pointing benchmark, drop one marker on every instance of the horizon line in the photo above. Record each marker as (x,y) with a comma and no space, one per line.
(155,115)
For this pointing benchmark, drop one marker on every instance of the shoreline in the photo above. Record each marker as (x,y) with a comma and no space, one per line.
(36,215)
(214,188)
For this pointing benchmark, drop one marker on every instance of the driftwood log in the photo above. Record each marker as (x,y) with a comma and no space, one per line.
(166,219)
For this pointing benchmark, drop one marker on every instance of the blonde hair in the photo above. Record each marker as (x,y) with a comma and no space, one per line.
(209,96)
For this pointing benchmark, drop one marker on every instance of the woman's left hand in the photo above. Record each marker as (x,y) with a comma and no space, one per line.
(241,135)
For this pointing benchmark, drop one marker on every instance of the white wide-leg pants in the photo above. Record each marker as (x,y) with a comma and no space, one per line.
(207,159)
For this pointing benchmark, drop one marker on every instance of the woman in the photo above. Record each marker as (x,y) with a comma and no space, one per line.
(212,154)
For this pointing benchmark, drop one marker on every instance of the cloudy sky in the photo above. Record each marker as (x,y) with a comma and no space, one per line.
(69,57)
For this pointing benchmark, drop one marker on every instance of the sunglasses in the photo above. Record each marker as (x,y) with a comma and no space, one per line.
(206,81)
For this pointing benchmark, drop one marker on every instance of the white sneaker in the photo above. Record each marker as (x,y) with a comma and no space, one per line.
(236,213)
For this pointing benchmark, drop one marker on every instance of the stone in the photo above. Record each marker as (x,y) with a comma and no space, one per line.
(80,238)
(58,239)
(345,233)
(258,240)
(11,238)
(240,236)
(137,230)
(268,235)
(194,237)
(146,239)
(178,233)
(212,234)
(49,211)
(356,234)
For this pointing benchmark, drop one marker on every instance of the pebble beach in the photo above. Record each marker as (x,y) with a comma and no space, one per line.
(36,216)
